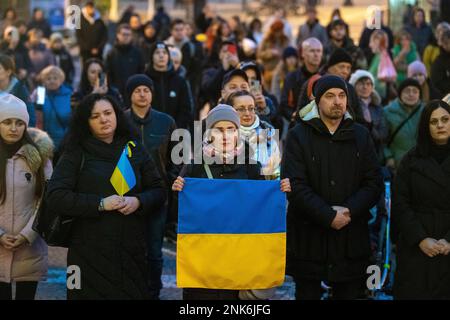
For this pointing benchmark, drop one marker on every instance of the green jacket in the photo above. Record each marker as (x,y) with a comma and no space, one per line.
(395,113)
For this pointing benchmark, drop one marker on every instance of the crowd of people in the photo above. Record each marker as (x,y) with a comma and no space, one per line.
(330,119)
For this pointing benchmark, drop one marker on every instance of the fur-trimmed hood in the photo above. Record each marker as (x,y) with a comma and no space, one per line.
(45,147)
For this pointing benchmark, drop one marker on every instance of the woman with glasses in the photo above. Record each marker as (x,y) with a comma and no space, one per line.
(420,210)
(260,135)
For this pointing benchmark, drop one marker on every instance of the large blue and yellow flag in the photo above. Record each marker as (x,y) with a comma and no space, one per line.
(231,234)
(123,178)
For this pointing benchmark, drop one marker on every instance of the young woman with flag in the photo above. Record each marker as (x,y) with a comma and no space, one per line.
(221,153)
(108,183)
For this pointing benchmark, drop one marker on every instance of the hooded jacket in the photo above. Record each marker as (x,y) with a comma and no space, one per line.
(17,213)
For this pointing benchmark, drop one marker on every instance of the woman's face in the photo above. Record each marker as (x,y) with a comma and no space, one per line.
(149,31)
(410,96)
(440,126)
(364,88)
(420,77)
(52,81)
(5,75)
(224,136)
(374,45)
(93,72)
(291,62)
(405,41)
(11,130)
(226,30)
(103,121)
(245,107)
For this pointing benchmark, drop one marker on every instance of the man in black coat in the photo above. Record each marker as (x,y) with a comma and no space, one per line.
(156,130)
(335,177)
(124,60)
(172,93)
(92,35)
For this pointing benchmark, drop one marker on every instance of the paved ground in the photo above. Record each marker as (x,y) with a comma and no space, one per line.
(54,287)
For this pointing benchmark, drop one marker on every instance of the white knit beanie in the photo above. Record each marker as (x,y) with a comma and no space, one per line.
(13,108)
(359,74)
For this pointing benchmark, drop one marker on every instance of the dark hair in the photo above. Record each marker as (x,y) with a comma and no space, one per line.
(237,94)
(10,9)
(85,85)
(123,26)
(424,140)
(253,22)
(175,22)
(26,139)
(79,129)
(7,63)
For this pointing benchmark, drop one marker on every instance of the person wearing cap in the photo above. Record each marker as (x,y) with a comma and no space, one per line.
(336,179)
(270,50)
(340,64)
(63,59)
(418,71)
(156,130)
(312,28)
(124,60)
(339,38)
(172,94)
(266,103)
(9,83)
(221,151)
(370,102)
(25,166)
(289,63)
(311,56)
(402,118)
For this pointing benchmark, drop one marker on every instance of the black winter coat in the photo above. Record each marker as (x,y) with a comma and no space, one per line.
(421,209)
(109,247)
(90,36)
(121,63)
(172,95)
(219,171)
(329,170)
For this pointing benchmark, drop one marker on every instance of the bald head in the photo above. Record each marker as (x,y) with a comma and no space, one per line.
(312,51)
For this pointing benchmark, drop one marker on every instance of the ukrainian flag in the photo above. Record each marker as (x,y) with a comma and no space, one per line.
(123,178)
(231,234)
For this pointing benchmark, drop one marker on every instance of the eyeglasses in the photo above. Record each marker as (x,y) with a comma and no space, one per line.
(244,110)
(435,122)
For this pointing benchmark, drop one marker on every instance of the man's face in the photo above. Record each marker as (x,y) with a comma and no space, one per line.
(179,31)
(141,97)
(312,55)
(90,10)
(235,84)
(342,69)
(338,32)
(333,104)
(312,16)
(160,58)
(135,22)
(124,36)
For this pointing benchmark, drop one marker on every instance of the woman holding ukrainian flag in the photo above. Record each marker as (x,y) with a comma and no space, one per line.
(222,150)
(108,183)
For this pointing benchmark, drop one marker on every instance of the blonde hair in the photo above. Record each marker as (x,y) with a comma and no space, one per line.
(52,70)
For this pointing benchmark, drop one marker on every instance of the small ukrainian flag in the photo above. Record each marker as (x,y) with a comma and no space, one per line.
(123,178)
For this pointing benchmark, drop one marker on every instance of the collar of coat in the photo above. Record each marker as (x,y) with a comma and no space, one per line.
(36,157)
(430,168)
